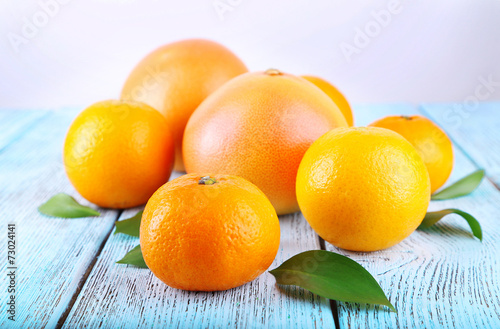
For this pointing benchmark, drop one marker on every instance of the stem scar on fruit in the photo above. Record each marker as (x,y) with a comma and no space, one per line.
(207,180)
(273,72)
(406,117)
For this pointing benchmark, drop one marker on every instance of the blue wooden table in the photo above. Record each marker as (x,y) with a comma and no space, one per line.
(66,274)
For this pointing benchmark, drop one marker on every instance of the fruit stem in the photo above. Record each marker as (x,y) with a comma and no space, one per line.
(273,72)
(207,180)
(406,117)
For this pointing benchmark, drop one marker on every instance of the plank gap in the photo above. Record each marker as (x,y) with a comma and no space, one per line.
(335,312)
(333,303)
(86,275)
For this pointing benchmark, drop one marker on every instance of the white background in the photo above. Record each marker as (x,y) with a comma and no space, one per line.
(429,51)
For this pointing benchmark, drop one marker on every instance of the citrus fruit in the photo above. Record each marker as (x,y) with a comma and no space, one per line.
(258,126)
(431,143)
(363,189)
(177,77)
(209,232)
(116,153)
(336,96)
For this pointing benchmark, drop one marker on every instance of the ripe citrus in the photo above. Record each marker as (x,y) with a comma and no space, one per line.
(336,96)
(431,143)
(209,232)
(176,78)
(258,126)
(116,154)
(363,189)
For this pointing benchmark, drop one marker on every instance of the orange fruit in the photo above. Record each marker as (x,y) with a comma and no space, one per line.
(363,189)
(258,126)
(116,153)
(431,143)
(336,96)
(209,232)
(177,77)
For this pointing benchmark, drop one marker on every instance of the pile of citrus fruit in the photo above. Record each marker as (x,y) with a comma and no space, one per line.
(254,145)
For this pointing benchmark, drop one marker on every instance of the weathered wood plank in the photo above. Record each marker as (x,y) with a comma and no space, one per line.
(53,254)
(436,278)
(474,129)
(439,278)
(13,124)
(122,296)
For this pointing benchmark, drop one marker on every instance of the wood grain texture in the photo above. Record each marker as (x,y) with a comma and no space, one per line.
(13,124)
(475,129)
(53,254)
(438,278)
(119,296)
(441,277)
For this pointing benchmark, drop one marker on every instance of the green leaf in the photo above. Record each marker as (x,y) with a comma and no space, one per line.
(463,187)
(432,218)
(134,257)
(65,206)
(130,226)
(332,276)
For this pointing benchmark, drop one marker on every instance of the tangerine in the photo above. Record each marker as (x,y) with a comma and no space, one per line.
(431,143)
(209,232)
(117,153)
